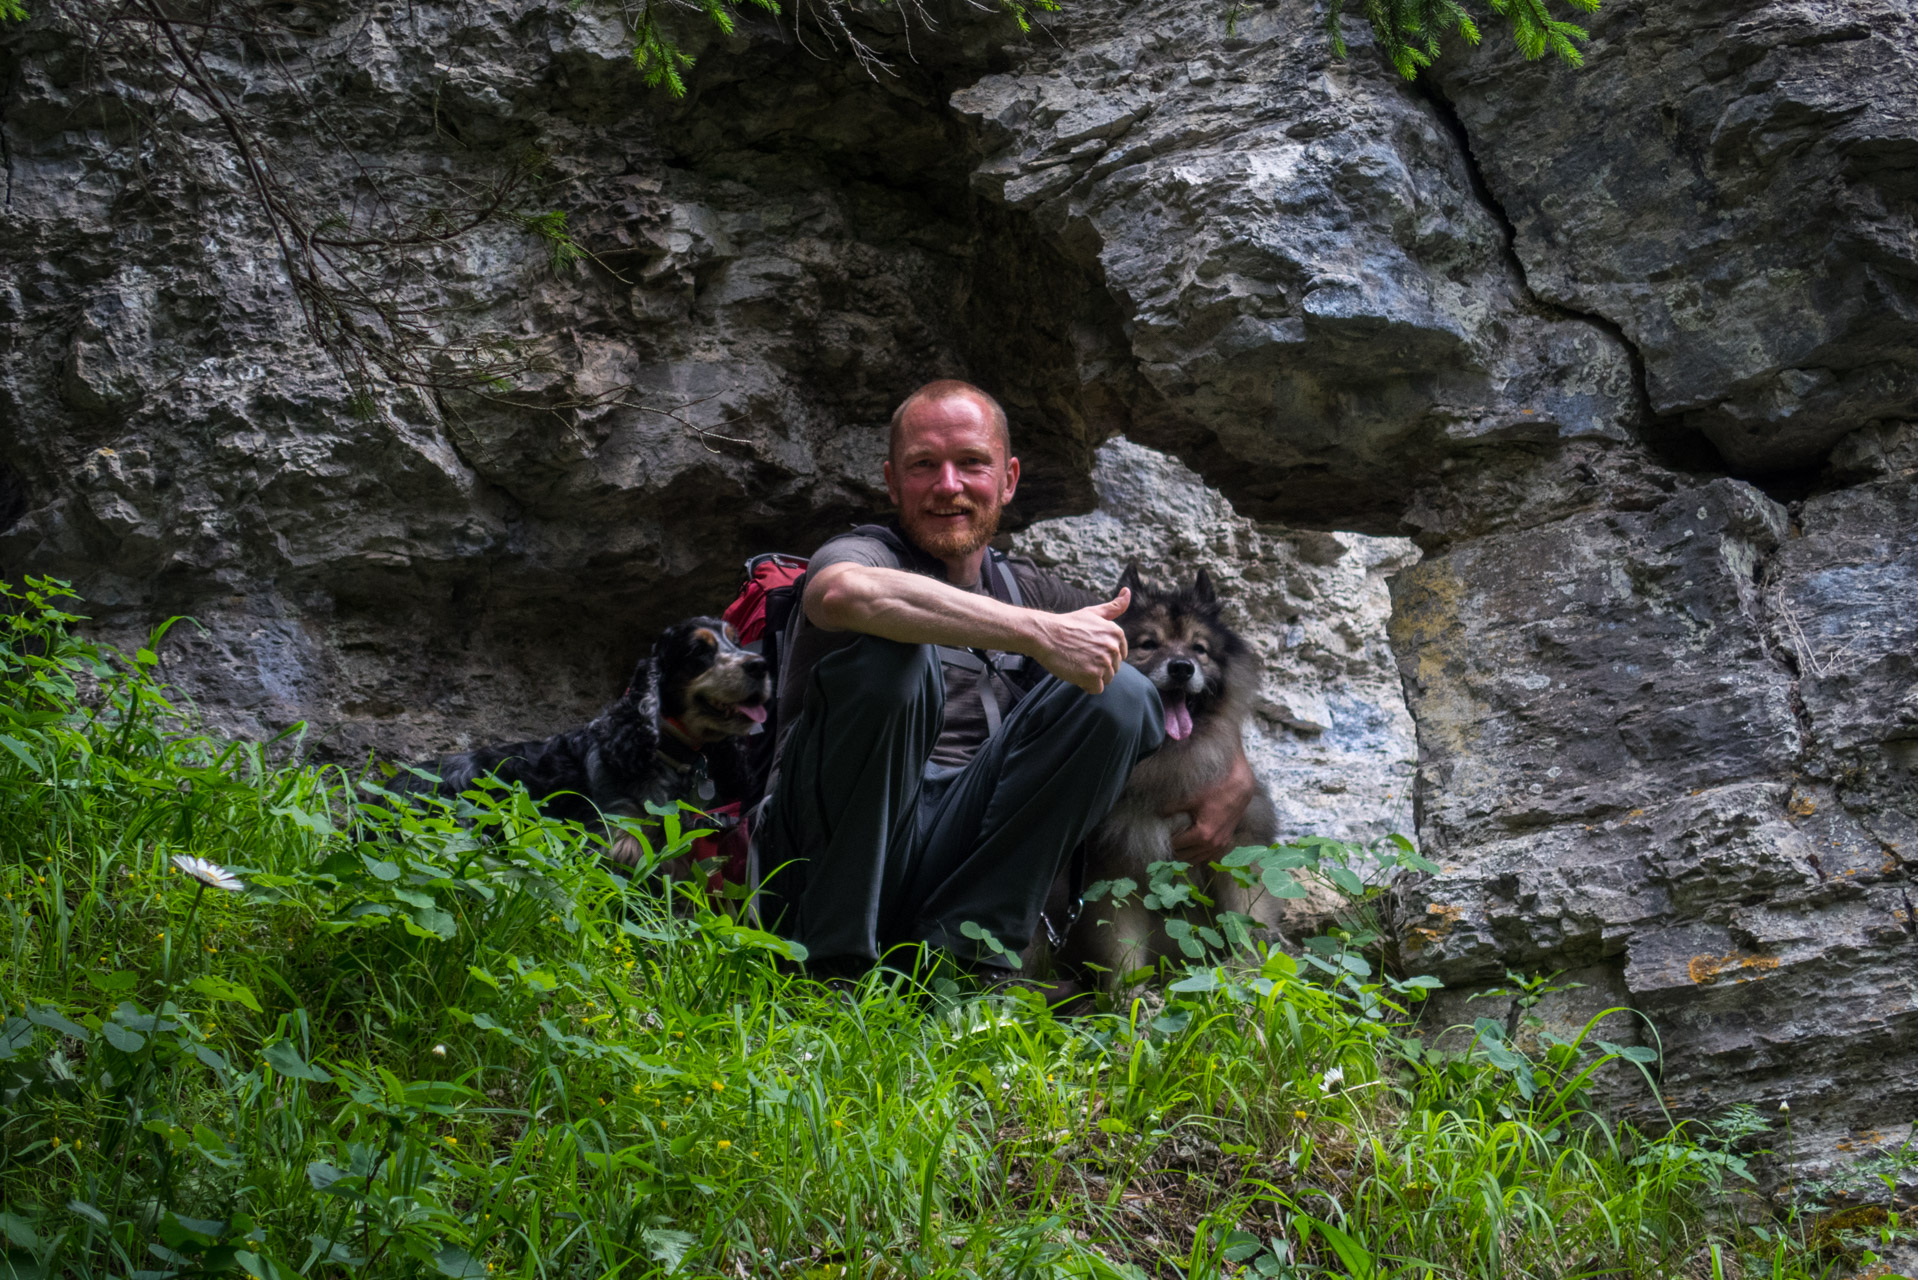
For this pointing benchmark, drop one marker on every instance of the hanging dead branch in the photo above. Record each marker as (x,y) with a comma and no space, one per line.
(355,253)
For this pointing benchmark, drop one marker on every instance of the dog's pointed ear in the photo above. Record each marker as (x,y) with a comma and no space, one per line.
(1130,580)
(1202,589)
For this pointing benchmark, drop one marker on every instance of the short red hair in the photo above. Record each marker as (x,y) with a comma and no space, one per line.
(948,389)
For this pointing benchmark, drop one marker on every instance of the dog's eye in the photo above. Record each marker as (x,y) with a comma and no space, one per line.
(1147,643)
(1199,649)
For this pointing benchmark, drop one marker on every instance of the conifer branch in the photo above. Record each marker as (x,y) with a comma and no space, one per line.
(1409,31)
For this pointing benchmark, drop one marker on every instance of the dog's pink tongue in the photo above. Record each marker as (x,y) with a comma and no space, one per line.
(1178,720)
(756,714)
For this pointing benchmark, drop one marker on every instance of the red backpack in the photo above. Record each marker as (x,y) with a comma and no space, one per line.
(771,579)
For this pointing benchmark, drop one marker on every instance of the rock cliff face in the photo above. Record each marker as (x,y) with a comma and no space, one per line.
(1630,352)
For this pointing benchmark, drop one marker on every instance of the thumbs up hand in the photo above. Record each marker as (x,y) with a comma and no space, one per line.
(1085,647)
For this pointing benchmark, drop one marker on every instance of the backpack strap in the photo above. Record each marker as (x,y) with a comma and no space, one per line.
(998,568)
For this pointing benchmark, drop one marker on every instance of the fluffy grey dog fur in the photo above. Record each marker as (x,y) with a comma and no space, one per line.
(1206,676)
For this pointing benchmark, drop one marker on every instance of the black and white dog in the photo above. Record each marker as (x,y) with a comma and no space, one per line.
(675,734)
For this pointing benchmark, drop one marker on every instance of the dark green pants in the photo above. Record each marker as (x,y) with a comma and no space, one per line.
(867,846)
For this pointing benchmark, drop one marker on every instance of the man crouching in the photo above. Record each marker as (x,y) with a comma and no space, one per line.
(956,720)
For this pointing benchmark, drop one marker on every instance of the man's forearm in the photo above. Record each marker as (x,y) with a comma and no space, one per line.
(915,609)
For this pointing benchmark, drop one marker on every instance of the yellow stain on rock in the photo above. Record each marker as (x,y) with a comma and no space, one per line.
(1428,604)
(1743,966)
(1440,918)
(1802,807)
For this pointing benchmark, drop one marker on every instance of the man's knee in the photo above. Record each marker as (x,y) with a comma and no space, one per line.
(1131,706)
(878,675)
(1128,711)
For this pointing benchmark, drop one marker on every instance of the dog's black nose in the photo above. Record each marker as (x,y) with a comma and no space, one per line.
(1180,668)
(756,668)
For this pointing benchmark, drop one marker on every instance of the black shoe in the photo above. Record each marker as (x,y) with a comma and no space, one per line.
(838,973)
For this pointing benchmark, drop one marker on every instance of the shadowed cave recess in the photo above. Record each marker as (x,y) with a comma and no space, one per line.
(1565,479)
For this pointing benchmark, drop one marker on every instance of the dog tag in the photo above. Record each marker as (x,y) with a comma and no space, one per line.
(705,788)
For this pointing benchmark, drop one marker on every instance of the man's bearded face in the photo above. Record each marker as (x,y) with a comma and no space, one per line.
(951,477)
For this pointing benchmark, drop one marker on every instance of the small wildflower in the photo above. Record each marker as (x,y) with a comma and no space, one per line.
(725,1144)
(718,1087)
(56,1139)
(1333,1079)
(210,874)
(679,1035)
(1785,1107)
(451,1141)
(753,1154)
(838,1124)
(439,1051)
(1300,1115)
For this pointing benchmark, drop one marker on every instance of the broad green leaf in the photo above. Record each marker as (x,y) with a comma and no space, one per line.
(285,1059)
(15,1035)
(1345,878)
(115,983)
(380,868)
(438,924)
(51,1018)
(217,988)
(1280,883)
(20,1232)
(262,1266)
(458,1263)
(179,1231)
(323,1175)
(125,1039)
(1198,980)
(19,749)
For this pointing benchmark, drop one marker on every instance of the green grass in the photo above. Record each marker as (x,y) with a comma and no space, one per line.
(451,1043)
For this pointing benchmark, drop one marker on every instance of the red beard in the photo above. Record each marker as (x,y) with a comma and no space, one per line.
(948,542)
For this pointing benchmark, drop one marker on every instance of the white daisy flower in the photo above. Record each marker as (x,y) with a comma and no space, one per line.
(1785,1107)
(1334,1079)
(210,874)
(439,1051)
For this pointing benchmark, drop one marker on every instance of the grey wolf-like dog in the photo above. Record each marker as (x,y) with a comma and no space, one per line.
(675,734)
(1207,677)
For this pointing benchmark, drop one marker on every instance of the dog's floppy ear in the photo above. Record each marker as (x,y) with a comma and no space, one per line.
(1202,589)
(706,637)
(1130,580)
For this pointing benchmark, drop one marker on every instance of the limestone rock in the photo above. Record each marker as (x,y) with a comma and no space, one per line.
(1670,747)
(1310,286)
(1733,186)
